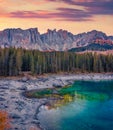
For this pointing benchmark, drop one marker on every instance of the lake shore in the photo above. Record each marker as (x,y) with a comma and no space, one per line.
(65,74)
(24,111)
(60,80)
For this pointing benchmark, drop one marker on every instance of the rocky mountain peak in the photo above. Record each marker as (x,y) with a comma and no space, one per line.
(97,34)
(19,38)
(58,40)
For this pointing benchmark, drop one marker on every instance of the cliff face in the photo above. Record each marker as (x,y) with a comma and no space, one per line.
(60,40)
(29,39)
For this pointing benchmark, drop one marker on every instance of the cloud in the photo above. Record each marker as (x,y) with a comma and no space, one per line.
(70,14)
(95,7)
(30,14)
(64,14)
(99,8)
(89,9)
(73,2)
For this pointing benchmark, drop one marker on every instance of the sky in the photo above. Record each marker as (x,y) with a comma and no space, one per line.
(76,16)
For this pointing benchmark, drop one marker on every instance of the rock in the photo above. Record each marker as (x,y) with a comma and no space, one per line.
(14,116)
(20,103)
(69,82)
(24,79)
(55,92)
(5,106)
(23,88)
(2,99)
(60,40)
(20,38)
(57,85)
(4,87)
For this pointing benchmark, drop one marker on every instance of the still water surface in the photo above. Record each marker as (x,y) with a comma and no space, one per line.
(91,109)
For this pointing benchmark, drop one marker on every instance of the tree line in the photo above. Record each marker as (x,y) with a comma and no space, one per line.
(15,61)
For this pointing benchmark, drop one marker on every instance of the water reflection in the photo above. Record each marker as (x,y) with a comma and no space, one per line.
(90,96)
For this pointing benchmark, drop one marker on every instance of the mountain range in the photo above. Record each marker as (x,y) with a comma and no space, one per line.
(54,40)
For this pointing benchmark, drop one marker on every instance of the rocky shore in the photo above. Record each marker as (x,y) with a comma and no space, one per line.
(24,111)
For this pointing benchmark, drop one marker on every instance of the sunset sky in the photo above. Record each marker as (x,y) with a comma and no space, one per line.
(75,16)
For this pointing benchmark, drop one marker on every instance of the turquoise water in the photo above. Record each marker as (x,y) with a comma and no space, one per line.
(91,110)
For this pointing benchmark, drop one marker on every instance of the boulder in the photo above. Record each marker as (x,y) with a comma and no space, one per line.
(2,99)
(24,79)
(57,85)
(14,116)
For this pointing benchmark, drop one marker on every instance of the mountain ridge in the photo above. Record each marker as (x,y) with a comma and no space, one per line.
(52,40)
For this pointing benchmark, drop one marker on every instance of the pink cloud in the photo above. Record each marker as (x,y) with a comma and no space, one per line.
(30,14)
(92,8)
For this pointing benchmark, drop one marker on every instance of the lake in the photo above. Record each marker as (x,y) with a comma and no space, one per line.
(90,109)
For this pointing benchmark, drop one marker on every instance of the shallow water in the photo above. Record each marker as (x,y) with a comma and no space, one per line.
(91,109)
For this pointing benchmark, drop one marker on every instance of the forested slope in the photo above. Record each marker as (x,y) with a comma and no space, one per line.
(14,61)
